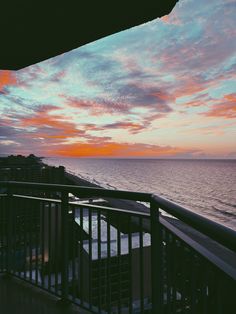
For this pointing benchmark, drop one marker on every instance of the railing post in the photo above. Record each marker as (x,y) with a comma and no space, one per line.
(64,246)
(9,230)
(156,259)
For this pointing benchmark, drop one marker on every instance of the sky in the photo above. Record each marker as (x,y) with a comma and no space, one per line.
(164,89)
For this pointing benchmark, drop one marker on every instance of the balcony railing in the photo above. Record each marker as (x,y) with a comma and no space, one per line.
(110,260)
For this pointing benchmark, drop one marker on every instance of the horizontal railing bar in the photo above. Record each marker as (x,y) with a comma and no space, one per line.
(214,230)
(111,209)
(200,249)
(84,205)
(91,191)
(36,198)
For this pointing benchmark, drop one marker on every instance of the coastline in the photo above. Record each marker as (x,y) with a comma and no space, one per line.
(203,186)
(124,204)
(227,256)
(33,169)
(73,179)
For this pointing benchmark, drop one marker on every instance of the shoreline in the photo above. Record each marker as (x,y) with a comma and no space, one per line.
(73,179)
(123,204)
(189,187)
(22,166)
(227,256)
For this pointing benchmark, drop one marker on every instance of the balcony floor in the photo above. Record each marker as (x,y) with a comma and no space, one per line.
(18,297)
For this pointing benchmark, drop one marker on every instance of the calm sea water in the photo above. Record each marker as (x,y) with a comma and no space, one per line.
(207,187)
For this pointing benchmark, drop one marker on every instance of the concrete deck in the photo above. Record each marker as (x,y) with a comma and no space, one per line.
(18,297)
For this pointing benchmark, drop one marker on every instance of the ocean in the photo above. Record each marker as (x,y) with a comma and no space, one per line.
(205,186)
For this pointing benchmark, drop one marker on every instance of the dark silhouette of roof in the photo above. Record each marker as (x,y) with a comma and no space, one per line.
(35,31)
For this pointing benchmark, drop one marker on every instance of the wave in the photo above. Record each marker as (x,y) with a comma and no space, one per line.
(226,203)
(224,212)
(203,187)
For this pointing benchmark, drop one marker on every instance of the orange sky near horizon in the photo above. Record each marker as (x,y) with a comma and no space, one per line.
(164,89)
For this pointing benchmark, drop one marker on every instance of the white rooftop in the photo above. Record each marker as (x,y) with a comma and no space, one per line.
(124,242)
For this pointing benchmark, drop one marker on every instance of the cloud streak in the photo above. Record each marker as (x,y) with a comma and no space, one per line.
(143,91)
(223,108)
(7,78)
(114,149)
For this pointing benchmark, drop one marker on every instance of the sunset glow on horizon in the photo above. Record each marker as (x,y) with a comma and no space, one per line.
(164,89)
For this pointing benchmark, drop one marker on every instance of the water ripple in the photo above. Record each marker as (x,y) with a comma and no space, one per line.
(207,187)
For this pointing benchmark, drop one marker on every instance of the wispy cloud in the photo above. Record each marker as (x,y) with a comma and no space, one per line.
(159,85)
(7,78)
(114,149)
(223,108)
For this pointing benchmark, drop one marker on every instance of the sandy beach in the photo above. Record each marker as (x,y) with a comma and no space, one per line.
(124,204)
(227,256)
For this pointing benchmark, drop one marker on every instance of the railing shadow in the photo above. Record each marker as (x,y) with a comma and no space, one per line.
(110,260)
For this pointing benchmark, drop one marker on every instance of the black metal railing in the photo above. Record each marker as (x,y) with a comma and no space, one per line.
(111,260)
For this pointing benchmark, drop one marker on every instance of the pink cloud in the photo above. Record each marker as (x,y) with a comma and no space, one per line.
(225,107)
(131,126)
(7,78)
(49,126)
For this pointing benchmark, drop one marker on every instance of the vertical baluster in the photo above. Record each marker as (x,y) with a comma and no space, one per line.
(24,213)
(56,255)
(81,256)
(205,271)
(37,248)
(21,239)
(9,229)
(90,256)
(64,245)
(194,267)
(108,264)
(156,259)
(3,232)
(6,231)
(130,265)
(2,208)
(169,281)
(171,272)
(212,293)
(74,242)
(49,268)
(42,242)
(183,276)
(219,282)
(141,264)
(13,236)
(19,235)
(119,267)
(176,275)
(30,238)
(99,261)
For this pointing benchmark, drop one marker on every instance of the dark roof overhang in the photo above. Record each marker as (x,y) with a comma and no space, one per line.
(33,32)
